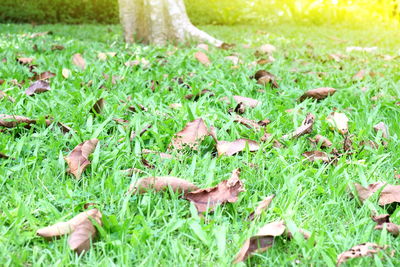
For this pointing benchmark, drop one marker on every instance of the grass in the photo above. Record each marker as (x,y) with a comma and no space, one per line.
(161,228)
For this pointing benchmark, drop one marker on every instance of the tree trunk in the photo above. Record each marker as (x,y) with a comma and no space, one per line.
(158,22)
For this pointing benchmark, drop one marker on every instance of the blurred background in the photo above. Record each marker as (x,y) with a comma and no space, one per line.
(218,12)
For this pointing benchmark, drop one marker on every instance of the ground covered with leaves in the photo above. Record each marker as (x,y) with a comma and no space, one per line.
(262,161)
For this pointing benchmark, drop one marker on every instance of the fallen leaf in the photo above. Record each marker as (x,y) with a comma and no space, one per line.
(389,194)
(143,62)
(57,47)
(318,93)
(362,250)
(78,159)
(98,106)
(11,121)
(203,46)
(338,121)
(195,97)
(4,95)
(369,143)
(316,156)
(131,171)
(231,148)
(347,143)
(337,57)
(322,140)
(360,75)
(79,61)
(175,105)
(263,205)
(43,76)
(39,34)
(266,49)
(84,233)
(38,87)
(3,156)
(193,133)
(66,73)
(248,102)
(383,221)
(306,127)
(260,242)
(234,59)
(103,56)
(25,60)
(225,191)
(63,228)
(264,77)
(202,58)
(226,46)
(161,183)
(247,122)
(381,127)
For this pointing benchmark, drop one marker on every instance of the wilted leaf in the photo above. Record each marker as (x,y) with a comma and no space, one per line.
(247,122)
(226,46)
(11,121)
(202,58)
(98,106)
(306,127)
(57,47)
(381,127)
(78,61)
(347,143)
(43,76)
(339,121)
(193,133)
(231,148)
(234,59)
(266,49)
(160,183)
(175,105)
(318,93)
(143,62)
(225,191)
(248,102)
(263,205)
(360,75)
(389,194)
(37,88)
(103,56)
(316,156)
(362,250)
(319,139)
(78,159)
(264,77)
(260,242)
(64,228)
(25,60)
(66,73)
(195,97)
(383,221)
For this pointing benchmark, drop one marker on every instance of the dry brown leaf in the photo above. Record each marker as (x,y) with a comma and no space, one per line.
(11,121)
(266,49)
(234,59)
(389,194)
(338,121)
(175,105)
(225,191)
(369,143)
(318,93)
(362,250)
(263,205)
(193,133)
(98,106)
(246,101)
(103,56)
(38,87)
(226,46)
(4,95)
(79,61)
(43,76)
(66,73)
(161,183)
(360,75)
(195,97)
(305,128)
(78,159)
(383,221)
(319,139)
(25,60)
(260,242)
(64,228)
(264,77)
(202,58)
(381,127)
(247,122)
(57,47)
(316,156)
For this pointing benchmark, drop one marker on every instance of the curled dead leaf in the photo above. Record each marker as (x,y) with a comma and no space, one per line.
(318,93)
(382,128)
(38,87)
(4,95)
(260,242)
(383,221)
(195,97)
(247,122)
(202,58)
(322,140)
(160,183)
(79,61)
(316,156)
(264,77)
(226,191)
(362,250)
(193,133)
(305,128)
(25,60)
(11,121)
(66,73)
(43,76)
(231,148)
(98,106)
(389,194)
(78,159)
(246,101)
(338,121)
(262,206)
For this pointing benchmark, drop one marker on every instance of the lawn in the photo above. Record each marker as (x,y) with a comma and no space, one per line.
(161,228)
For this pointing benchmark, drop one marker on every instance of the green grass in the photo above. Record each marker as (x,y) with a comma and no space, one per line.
(161,228)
